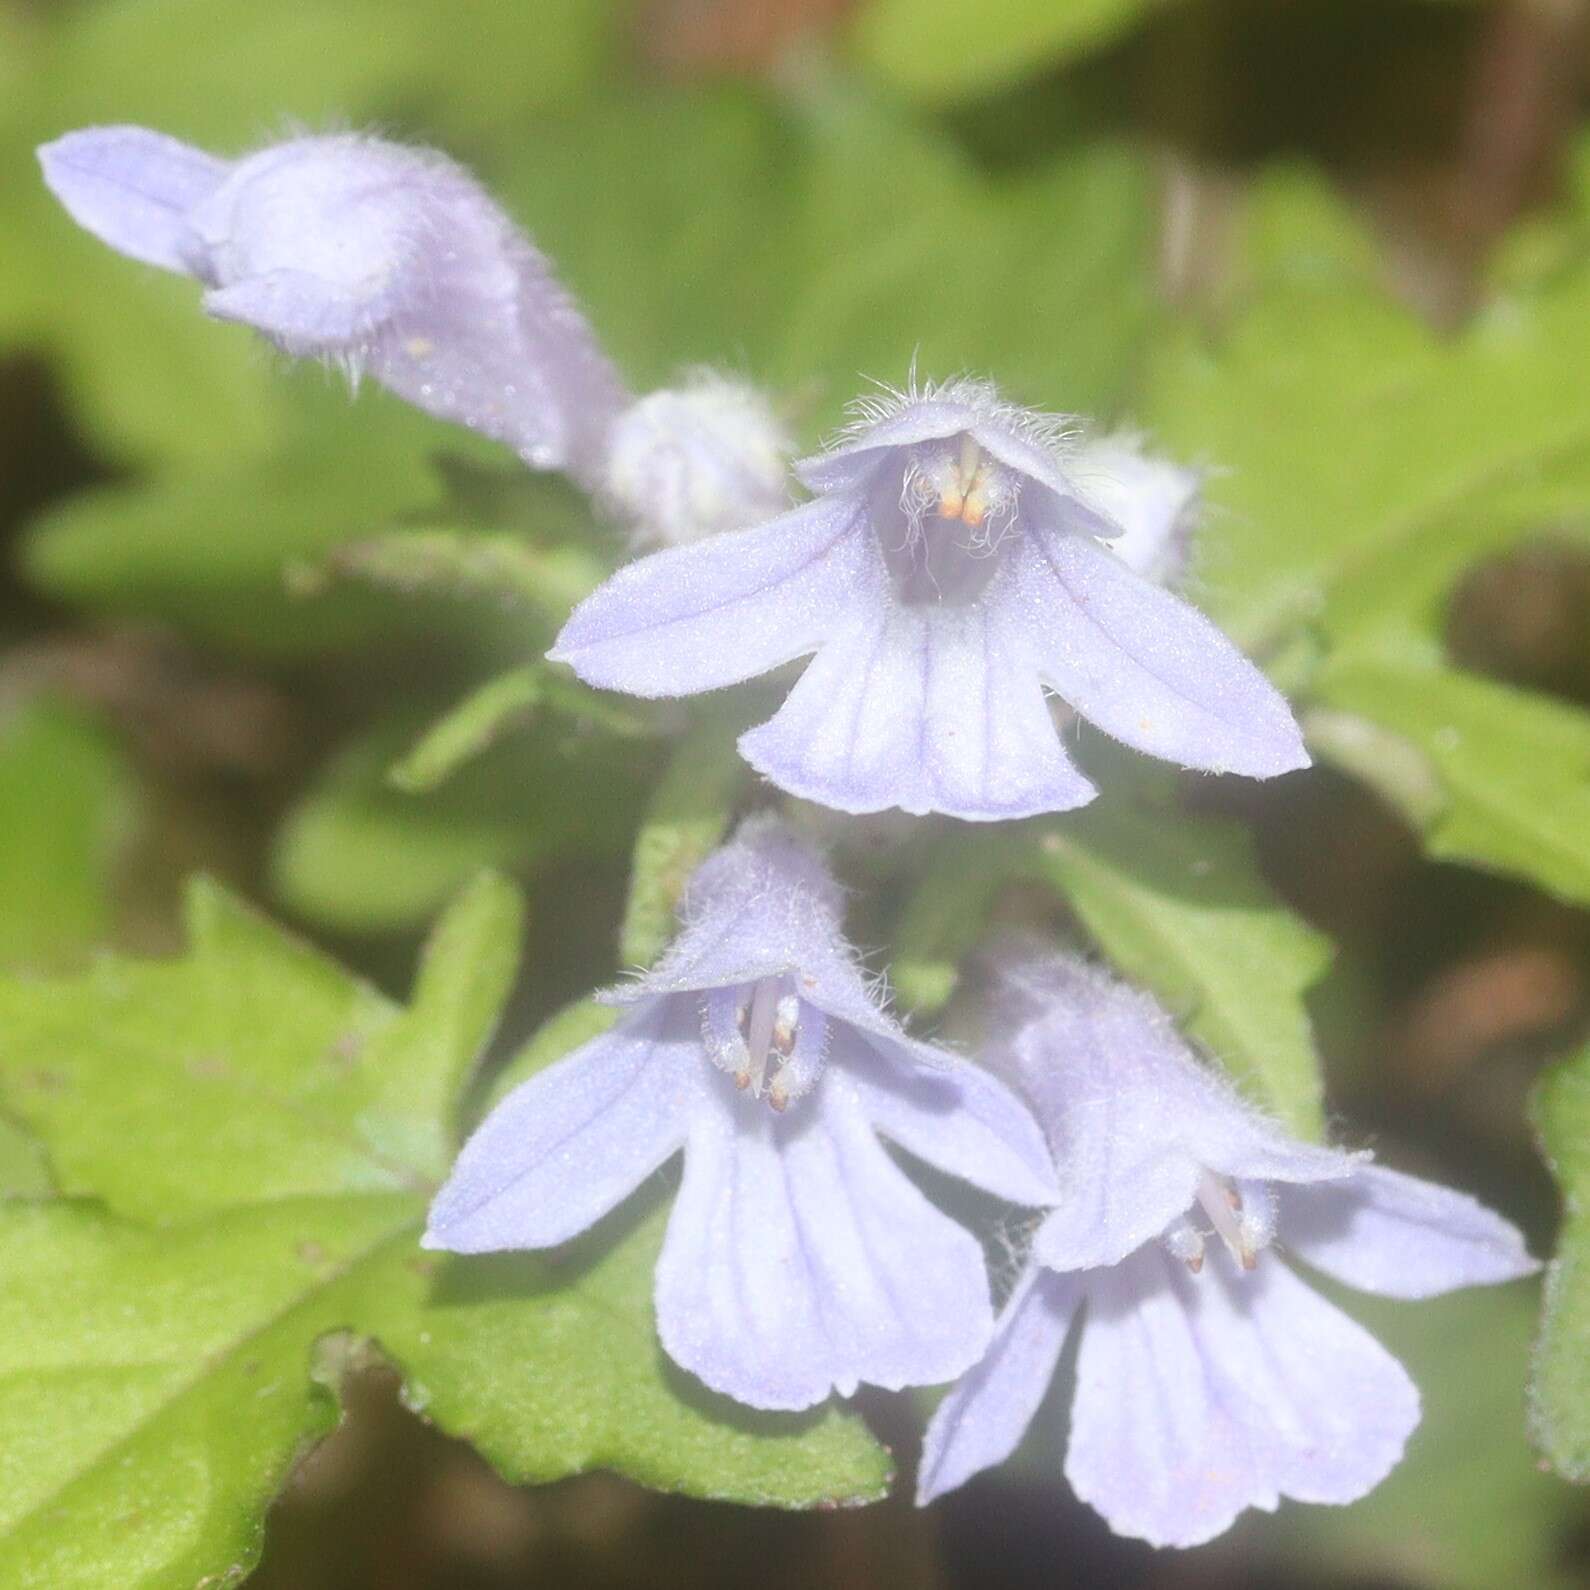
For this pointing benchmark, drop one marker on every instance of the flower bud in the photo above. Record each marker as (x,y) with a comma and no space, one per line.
(378,257)
(690,461)
(1156,503)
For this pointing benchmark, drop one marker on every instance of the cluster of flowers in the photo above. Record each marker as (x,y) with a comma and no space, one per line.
(948,567)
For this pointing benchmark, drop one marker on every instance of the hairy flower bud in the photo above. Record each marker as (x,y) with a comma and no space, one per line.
(384,259)
(1155,502)
(693,460)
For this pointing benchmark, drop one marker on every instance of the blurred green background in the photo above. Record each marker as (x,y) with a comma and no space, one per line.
(231,598)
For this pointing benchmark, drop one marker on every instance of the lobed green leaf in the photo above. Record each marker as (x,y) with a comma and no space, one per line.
(259,1133)
(1560,1390)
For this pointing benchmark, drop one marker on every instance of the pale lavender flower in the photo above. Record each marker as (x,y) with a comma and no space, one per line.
(799,1257)
(1210,1378)
(381,258)
(1156,503)
(947,570)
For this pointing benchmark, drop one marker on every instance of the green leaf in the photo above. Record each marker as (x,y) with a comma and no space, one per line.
(941,52)
(946,914)
(252,1069)
(24,1172)
(689,813)
(461,563)
(418,1068)
(68,804)
(207,549)
(466,730)
(260,1133)
(1491,774)
(1347,433)
(154,1385)
(356,854)
(1360,478)
(297,550)
(1560,1392)
(477,722)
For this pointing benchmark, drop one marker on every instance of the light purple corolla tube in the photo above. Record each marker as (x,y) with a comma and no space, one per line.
(387,260)
(950,567)
(1210,1377)
(800,1258)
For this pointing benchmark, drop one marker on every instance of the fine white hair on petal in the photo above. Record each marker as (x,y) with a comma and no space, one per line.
(1051,432)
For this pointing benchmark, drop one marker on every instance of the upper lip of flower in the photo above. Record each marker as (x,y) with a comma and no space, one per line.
(1026,442)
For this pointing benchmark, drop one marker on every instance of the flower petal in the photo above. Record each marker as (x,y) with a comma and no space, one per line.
(982,1420)
(132,188)
(1382,1231)
(575,1140)
(1131,1115)
(1329,1409)
(1144,666)
(800,1259)
(1113,1202)
(1198,1398)
(922,419)
(300,313)
(924,708)
(962,1119)
(697,617)
(763,905)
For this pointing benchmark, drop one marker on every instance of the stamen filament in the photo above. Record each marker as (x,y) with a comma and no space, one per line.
(1220,1201)
(760,1020)
(769,1022)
